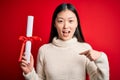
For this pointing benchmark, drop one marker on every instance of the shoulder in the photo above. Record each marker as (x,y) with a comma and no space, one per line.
(87,45)
(42,50)
(44,47)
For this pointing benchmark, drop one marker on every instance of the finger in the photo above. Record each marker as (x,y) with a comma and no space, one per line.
(88,54)
(24,61)
(23,65)
(31,60)
(31,57)
(85,52)
(24,54)
(91,59)
(23,58)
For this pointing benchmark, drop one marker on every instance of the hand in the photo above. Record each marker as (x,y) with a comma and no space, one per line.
(92,54)
(27,67)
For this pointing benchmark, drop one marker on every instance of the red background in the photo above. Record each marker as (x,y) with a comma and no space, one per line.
(99,20)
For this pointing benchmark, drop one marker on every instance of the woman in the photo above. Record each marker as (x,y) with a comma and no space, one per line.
(67,56)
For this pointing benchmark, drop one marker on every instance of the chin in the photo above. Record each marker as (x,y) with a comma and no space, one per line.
(66,38)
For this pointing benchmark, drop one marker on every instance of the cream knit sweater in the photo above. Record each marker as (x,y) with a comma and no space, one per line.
(60,60)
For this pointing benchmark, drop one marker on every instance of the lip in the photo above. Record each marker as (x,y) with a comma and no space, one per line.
(66,31)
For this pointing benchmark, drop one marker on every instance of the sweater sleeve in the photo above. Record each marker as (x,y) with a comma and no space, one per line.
(99,69)
(39,73)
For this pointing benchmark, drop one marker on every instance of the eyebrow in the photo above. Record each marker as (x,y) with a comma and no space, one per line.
(63,18)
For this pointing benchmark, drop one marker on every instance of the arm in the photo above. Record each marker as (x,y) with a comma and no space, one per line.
(98,68)
(39,73)
(96,64)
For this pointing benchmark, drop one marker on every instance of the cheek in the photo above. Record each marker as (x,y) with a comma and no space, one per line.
(74,28)
(73,31)
(58,29)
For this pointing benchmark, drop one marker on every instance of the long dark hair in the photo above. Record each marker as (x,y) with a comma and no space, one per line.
(78,33)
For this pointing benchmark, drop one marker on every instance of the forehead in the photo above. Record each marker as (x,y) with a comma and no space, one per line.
(66,14)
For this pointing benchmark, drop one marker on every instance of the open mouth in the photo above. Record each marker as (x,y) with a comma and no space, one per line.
(66,33)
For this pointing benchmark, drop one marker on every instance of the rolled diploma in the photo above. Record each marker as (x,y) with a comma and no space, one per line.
(29,34)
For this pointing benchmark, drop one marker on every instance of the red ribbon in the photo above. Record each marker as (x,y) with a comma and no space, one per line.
(24,39)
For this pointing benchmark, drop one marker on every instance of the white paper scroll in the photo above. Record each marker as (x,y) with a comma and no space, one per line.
(29,34)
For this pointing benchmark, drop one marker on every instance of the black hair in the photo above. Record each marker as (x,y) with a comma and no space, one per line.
(78,33)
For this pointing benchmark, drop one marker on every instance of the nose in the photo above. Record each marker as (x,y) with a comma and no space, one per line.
(66,25)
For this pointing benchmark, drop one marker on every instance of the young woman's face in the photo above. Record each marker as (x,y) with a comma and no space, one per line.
(66,23)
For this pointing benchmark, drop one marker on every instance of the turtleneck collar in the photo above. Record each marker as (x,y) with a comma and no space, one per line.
(61,43)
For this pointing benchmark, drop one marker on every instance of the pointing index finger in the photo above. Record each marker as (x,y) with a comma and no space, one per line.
(84,53)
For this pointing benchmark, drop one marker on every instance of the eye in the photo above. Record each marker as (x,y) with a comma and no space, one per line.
(70,21)
(59,21)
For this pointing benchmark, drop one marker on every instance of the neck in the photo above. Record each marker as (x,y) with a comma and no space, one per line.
(64,43)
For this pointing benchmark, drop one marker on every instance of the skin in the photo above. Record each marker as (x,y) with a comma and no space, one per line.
(27,67)
(66,24)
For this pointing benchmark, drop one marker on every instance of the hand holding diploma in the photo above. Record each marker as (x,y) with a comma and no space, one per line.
(27,40)
(25,66)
